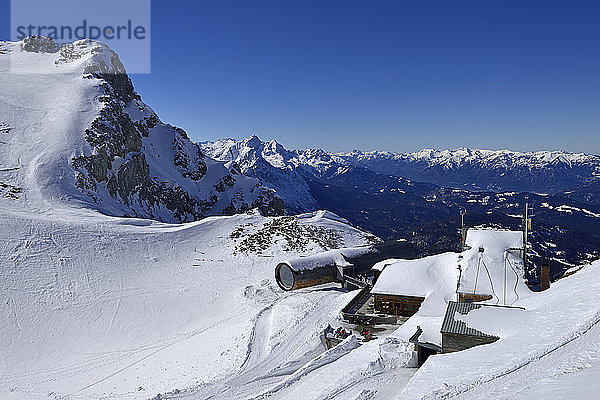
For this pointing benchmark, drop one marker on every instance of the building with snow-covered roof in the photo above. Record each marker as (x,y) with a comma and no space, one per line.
(404,284)
(456,334)
(338,265)
(491,267)
(378,268)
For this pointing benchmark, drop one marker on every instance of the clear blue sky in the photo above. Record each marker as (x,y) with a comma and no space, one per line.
(393,75)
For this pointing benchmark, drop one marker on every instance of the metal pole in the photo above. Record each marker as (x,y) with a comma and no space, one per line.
(525,238)
(462,230)
(505,259)
(458,282)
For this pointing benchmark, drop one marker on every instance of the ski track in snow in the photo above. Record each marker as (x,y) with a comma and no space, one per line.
(264,367)
(257,345)
(161,348)
(97,308)
(573,356)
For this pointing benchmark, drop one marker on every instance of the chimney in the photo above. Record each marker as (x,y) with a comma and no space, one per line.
(545,277)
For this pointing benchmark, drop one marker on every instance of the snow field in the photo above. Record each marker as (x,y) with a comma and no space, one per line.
(97,307)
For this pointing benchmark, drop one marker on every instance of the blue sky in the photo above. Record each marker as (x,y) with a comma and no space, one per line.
(390,75)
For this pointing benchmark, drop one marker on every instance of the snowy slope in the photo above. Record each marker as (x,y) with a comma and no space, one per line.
(74,129)
(99,307)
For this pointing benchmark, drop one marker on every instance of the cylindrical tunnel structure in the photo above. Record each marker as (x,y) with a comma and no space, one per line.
(325,267)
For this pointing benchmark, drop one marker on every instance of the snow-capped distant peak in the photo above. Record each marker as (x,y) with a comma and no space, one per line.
(539,171)
(478,169)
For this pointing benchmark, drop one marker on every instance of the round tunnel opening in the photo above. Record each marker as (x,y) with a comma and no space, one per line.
(284,276)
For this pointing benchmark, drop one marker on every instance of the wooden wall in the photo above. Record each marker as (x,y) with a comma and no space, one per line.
(472,298)
(545,277)
(404,306)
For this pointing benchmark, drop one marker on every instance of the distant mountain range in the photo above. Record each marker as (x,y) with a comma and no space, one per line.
(493,170)
(419,196)
(471,169)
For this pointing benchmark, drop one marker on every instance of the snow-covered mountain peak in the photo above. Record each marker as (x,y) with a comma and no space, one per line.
(469,156)
(274,147)
(271,163)
(75,130)
(254,141)
(320,159)
(540,171)
(41,54)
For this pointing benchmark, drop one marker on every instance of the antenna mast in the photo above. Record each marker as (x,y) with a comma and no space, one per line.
(458,280)
(525,235)
(463,233)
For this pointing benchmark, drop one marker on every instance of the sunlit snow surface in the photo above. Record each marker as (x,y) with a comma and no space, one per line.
(96,306)
(102,307)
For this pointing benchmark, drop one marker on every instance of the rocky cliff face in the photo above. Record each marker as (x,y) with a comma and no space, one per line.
(133,164)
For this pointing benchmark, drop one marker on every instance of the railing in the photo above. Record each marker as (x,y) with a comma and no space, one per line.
(359,298)
(356,282)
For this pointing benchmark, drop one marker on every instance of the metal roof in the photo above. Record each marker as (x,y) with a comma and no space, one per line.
(450,325)
(415,340)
